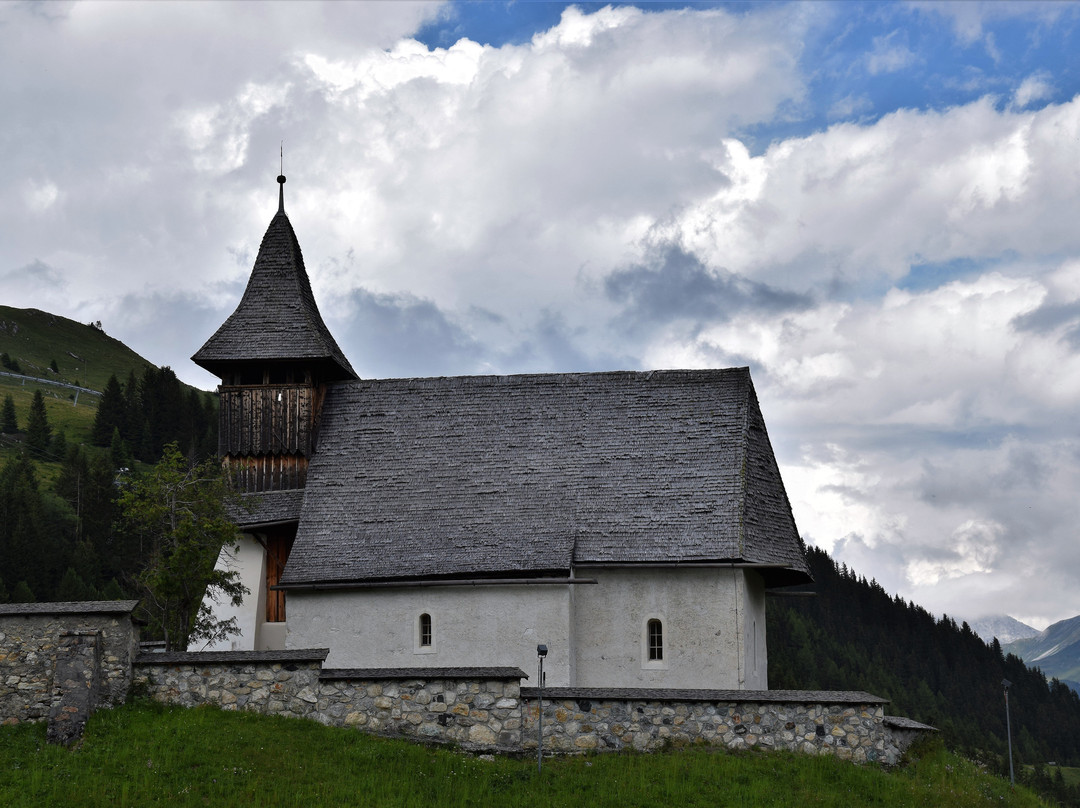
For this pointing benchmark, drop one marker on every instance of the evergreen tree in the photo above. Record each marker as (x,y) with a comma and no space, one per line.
(112,414)
(22,524)
(119,454)
(38,431)
(59,445)
(22,593)
(72,587)
(9,423)
(4,596)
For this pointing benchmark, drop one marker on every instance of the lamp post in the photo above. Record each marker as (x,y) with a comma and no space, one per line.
(1008,730)
(541,652)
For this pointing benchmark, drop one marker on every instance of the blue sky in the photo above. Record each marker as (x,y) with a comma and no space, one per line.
(872,205)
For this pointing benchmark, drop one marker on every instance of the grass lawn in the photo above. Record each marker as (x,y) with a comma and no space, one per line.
(145,755)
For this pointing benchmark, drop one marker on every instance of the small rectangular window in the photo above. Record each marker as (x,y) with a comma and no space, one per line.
(656,640)
(425,630)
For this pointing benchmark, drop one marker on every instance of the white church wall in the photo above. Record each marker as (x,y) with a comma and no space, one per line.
(249,559)
(489,626)
(752,612)
(712,619)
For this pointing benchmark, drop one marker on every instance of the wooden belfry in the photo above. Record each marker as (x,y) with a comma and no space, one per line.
(275,358)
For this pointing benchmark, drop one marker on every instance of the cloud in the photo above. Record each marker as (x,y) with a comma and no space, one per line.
(904,287)
(1036,87)
(889,54)
(401,335)
(675,285)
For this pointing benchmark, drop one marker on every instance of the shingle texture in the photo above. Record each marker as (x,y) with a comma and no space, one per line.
(277,319)
(267,508)
(525,475)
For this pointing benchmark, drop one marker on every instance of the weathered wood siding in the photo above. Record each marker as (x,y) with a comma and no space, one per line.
(266,420)
(266,435)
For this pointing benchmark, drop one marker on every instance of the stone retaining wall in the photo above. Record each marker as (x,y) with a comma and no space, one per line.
(62,660)
(30,637)
(850,725)
(475,708)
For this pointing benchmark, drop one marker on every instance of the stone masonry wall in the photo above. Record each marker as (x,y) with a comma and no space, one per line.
(29,640)
(475,708)
(848,725)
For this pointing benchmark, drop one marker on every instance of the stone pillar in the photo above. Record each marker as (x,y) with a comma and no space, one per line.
(75,685)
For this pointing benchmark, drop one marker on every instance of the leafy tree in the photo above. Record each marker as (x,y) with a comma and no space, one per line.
(38,431)
(9,423)
(178,514)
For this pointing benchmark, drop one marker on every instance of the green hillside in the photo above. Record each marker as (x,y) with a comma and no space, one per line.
(84,356)
(105,411)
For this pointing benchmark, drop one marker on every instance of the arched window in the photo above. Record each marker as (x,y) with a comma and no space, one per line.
(654,640)
(425,630)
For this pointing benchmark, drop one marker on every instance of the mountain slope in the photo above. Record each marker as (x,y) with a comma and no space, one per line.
(855,636)
(1055,651)
(83,354)
(1006,629)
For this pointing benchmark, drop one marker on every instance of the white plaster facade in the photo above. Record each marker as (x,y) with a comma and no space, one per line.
(249,559)
(713,621)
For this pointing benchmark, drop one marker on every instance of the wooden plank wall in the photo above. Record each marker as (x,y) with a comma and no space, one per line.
(267,473)
(266,420)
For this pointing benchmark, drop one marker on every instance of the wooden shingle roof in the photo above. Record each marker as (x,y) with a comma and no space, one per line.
(505,476)
(277,319)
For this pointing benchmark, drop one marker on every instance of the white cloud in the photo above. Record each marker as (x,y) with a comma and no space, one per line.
(906,290)
(1032,89)
(889,54)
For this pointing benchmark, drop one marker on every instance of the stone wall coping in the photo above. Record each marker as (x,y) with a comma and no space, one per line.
(899,722)
(231,657)
(424,673)
(70,607)
(740,696)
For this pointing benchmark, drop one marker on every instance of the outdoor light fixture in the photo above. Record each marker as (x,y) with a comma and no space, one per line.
(1008,730)
(541,652)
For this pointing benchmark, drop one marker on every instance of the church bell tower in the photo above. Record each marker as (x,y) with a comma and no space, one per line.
(275,357)
(276,360)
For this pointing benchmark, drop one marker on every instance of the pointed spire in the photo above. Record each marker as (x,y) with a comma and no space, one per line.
(277,319)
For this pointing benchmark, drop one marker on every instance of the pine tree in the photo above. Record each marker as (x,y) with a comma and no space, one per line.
(38,431)
(22,593)
(111,414)
(4,596)
(9,423)
(72,587)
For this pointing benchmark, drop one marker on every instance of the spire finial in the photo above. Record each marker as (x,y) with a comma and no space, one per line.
(281,180)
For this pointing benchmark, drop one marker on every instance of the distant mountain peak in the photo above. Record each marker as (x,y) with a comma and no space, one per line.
(1006,629)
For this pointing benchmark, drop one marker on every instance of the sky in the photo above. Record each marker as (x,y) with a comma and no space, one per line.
(874,206)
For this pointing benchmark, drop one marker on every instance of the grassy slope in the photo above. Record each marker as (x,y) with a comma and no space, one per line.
(143,755)
(83,354)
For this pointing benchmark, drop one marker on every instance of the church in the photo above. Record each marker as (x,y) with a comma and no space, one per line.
(631,522)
